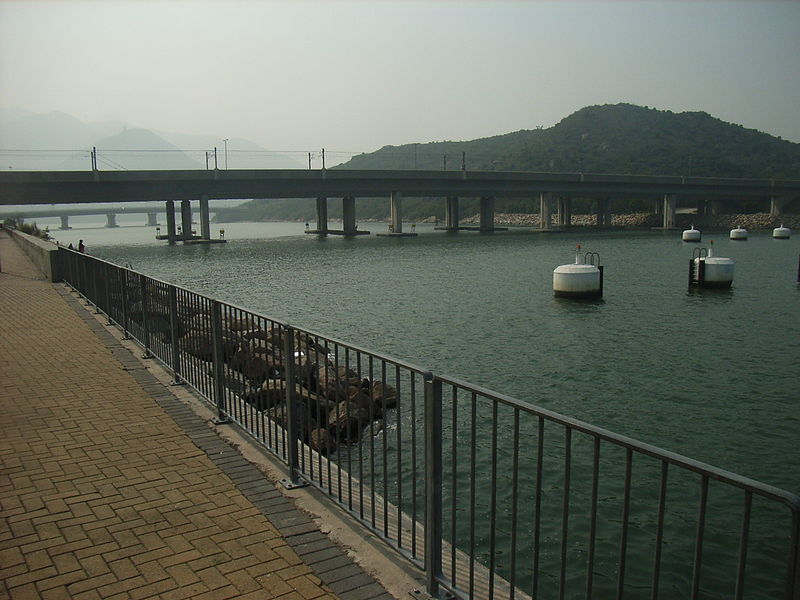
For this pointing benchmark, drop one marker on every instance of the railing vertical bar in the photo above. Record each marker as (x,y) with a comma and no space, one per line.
(593,517)
(514,496)
(414,473)
(370,369)
(173,334)
(145,319)
(562,583)
(743,542)
(626,510)
(291,407)
(537,522)
(385,441)
(698,550)
(107,289)
(398,463)
(659,541)
(493,503)
(433,483)
(472,489)
(453,481)
(216,344)
(125,304)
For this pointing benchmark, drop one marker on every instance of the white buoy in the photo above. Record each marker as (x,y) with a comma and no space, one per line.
(713,271)
(578,280)
(691,235)
(781,233)
(740,233)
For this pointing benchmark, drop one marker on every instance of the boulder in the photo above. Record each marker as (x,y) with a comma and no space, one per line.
(346,420)
(322,441)
(384,395)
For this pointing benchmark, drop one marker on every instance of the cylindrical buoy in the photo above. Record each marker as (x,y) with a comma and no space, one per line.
(740,233)
(713,271)
(578,280)
(781,233)
(691,235)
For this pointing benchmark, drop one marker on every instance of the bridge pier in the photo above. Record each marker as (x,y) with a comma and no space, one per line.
(111,220)
(65,222)
(396,216)
(670,205)
(152,219)
(205,218)
(545,210)
(186,219)
(602,208)
(565,212)
(171,235)
(322,217)
(451,215)
(487,214)
(776,205)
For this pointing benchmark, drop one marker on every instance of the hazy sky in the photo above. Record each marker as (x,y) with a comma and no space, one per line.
(358,75)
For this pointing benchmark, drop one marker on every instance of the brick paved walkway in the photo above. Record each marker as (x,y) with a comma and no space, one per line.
(111,488)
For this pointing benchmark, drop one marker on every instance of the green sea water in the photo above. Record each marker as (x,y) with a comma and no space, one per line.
(712,375)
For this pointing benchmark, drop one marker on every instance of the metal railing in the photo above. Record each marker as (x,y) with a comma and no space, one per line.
(492,497)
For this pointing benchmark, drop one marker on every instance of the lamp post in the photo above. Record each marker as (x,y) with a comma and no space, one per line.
(225,141)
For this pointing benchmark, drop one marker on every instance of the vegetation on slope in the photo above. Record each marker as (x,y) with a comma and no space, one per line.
(619,139)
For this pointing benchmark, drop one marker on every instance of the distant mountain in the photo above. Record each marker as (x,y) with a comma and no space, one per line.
(242,153)
(134,149)
(621,139)
(58,141)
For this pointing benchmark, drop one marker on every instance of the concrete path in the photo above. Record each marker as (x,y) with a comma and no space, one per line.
(113,488)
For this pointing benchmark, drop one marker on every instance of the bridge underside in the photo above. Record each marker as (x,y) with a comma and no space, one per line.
(555,192)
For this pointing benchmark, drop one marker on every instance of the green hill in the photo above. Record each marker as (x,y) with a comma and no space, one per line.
(618,139)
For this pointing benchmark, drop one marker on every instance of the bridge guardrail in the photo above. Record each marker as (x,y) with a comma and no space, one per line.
(492,497)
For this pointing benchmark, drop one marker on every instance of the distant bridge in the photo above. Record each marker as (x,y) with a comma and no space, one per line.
(70,211)
(554,191)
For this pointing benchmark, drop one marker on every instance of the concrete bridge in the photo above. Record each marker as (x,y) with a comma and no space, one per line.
(66,213)
(553,191)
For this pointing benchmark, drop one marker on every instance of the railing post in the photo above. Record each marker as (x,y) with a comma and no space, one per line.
(218,358)
(292,416)
(107,287)
(96,267)
(123,276)
(173,336)
(145,324)
(433,483)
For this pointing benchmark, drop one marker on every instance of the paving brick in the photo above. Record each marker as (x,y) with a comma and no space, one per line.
(105,495)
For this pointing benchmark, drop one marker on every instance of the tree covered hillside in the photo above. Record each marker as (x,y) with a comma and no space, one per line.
(619,139)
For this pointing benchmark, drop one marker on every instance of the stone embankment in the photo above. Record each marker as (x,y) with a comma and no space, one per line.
(335,404)
(753,221)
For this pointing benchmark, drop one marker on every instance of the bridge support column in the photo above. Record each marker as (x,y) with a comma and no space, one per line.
(65,222)
(487,214)
(565,212)
(776,206)
(170,211)
(152,219)
(714,207)
(451,216)
(396,212)
(111,220)
(670,204)
(545,210)
(322,216)
(349,215)
(186,219)
(603,212)
(205,218)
